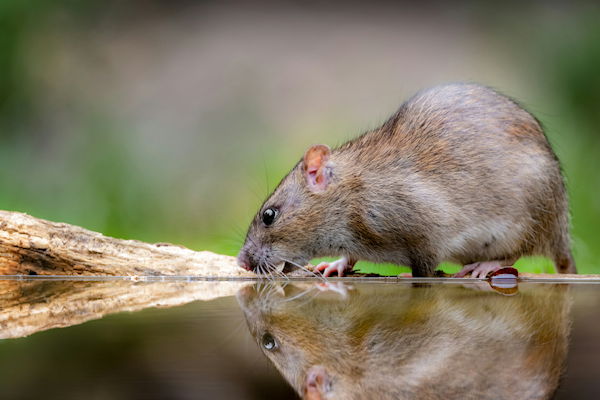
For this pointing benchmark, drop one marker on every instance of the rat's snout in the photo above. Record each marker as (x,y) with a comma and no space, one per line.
(244,265)
(253,256)
(243,261)
(316,384)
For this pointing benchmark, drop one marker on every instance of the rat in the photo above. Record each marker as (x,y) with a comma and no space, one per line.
(412,342)
(460,173)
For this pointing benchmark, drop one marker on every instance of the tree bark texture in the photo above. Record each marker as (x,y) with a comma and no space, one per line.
(32,246)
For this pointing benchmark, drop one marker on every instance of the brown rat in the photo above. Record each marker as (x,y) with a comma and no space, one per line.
(460,173)
(413,342)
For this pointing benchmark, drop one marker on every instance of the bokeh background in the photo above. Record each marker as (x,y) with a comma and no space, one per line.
(171,120)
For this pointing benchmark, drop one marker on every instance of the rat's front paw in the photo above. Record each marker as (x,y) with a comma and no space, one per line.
(341,265)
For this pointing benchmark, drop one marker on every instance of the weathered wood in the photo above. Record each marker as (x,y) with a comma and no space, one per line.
(32,246)
(27,307)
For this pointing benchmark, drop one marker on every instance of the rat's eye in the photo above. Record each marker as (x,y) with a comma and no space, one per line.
(269,215)
(269,342)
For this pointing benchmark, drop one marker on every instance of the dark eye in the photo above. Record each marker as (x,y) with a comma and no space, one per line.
(269,215)
(269,342)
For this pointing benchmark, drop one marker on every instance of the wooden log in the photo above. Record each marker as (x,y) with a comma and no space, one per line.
(32,246)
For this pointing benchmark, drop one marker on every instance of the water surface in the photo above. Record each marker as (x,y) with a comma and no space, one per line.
(182,339)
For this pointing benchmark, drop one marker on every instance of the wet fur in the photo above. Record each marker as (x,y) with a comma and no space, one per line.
(460,173)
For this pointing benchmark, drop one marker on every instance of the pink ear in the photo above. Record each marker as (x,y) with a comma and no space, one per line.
(315,160)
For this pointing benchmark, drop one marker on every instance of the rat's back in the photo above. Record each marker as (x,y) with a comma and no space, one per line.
(480,176)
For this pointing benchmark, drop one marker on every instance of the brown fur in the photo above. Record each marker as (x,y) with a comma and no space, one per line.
(400,342)
(460,173)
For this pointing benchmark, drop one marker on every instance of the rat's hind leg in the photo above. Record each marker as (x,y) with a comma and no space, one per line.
(341,265)
(482,268)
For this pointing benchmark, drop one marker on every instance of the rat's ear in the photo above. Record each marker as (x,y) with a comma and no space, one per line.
(315,160)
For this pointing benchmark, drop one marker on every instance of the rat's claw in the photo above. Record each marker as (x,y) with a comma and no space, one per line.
(338,266)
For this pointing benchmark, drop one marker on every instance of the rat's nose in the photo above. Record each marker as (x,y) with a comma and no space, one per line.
(316,383)
(243,263)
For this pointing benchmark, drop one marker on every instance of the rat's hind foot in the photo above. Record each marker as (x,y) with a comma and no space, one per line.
(482,268)
(341,265)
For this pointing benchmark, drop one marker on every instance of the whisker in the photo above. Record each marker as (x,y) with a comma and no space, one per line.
(278,272)
(230,336)
(233,224)
(272,289)
(261,272)
(260,199)
(262,289)
(266,171)
(321,277)
(301,294)
(267,270)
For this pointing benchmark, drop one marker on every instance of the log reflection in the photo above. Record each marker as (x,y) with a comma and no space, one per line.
(31,306)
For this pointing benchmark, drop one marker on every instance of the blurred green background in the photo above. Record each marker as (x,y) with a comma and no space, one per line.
(170,120)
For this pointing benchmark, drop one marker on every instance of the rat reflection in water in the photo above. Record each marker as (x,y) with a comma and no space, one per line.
(417,342)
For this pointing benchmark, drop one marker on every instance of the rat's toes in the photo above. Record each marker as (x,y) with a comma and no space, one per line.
(338,266)
(485,268)
(466,269)
(325,268)
(330,270)
(482,268)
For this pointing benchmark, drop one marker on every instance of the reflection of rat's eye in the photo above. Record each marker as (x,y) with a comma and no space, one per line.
(269,342)
(269,216)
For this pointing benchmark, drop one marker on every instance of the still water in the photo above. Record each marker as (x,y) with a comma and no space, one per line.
(181,339)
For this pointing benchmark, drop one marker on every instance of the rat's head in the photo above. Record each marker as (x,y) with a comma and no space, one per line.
(295,223)
(298,328)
